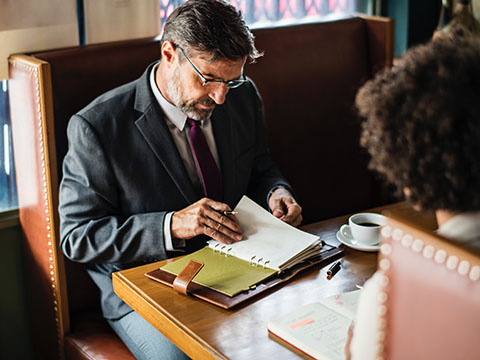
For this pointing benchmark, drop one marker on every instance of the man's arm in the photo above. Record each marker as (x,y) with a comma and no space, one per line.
(92,228)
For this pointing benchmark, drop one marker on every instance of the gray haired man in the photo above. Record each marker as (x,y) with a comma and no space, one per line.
(152,164)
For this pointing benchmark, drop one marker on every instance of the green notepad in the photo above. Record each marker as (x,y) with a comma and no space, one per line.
(269,246)
(226,274)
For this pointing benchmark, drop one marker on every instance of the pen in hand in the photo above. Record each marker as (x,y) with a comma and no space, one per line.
(224,212)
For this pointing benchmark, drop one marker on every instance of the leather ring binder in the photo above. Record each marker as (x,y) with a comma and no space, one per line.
(184,278)
(227,302)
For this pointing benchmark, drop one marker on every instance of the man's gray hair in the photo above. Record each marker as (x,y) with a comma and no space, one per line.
(211,26)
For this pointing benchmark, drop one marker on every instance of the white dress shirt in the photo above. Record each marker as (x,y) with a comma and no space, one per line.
(176,121)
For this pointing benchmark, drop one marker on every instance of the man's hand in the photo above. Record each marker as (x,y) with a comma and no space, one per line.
(204,217)
(283,205)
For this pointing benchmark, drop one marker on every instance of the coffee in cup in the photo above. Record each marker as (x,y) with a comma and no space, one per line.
(364,228)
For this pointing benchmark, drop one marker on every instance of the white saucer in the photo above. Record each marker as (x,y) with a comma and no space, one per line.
(354,245)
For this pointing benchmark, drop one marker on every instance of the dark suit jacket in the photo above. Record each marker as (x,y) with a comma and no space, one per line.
(123,173)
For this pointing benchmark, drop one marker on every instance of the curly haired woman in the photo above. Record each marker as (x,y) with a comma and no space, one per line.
(422,128)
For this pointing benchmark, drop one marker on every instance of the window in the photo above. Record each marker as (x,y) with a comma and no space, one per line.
(259,12)
(8,188)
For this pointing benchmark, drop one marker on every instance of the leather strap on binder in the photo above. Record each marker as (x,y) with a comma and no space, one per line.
(181,282)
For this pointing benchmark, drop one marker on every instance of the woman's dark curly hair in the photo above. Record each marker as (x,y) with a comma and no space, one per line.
(422,124)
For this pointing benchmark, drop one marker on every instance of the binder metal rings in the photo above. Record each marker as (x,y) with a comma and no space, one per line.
(259,262)
(222,250)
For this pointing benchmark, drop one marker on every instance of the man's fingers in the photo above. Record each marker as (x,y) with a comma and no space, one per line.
(228,221)
(297,221)
(294,221)
(222,230)
(294,214)
(278,212)
(218,235)
(192,220)
(216,206)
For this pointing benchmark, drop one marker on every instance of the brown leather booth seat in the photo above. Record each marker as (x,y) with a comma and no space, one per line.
(92,338)
(307,78)
(46,89)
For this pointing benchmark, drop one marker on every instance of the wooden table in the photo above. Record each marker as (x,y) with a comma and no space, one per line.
(205,331)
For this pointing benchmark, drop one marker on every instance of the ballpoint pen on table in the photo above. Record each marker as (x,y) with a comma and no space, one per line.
(332,270)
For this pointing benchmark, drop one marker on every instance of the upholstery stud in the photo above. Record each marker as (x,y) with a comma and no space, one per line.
(428,251)
(397,234)
(475,273)
(407,240)
(386,249)
(417,245)
(384,264)
(463,267)
(386,231)
(440,256)
(452,262)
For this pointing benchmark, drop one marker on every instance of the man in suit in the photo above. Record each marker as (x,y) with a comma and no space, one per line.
(152,164)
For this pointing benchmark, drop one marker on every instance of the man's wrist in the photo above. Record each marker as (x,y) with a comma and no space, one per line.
(272,190)
(270,193)
(171,244)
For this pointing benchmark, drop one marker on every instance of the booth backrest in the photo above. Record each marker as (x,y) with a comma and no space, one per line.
(307,78)
(81,74)
(78,76)
(45,90)
(429,303)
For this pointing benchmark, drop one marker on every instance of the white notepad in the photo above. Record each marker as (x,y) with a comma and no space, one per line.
(320,330)
(268,241)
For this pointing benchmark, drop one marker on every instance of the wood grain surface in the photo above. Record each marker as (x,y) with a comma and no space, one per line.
(205,331)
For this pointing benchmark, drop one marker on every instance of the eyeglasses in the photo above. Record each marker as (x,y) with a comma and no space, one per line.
(232,84)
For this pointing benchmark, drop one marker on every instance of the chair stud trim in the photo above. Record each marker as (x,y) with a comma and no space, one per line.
(438,255)
(47,201)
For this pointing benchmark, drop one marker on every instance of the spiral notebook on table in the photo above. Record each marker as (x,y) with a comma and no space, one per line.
(271,252)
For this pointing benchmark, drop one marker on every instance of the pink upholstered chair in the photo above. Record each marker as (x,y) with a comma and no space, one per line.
(429,305)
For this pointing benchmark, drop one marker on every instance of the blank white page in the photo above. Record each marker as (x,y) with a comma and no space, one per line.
(267,240)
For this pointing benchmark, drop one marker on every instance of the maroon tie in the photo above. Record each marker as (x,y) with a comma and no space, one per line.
(209,172)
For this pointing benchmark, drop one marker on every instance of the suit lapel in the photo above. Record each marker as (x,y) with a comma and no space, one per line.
(222,130)
(153,128)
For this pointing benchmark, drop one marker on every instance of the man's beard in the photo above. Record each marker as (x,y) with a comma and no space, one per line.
(178,98)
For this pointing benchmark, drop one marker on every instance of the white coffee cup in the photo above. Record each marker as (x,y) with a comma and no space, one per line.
(364,228)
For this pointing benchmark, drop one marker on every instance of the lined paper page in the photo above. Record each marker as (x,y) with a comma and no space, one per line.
(319,329)
(314,329)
